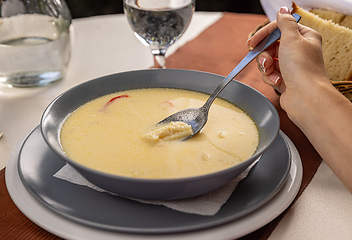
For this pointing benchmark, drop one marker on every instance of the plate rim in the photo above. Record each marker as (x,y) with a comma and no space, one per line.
(283,199)
(201,224)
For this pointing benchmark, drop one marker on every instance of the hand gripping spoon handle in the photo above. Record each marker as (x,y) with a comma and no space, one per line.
(197,117)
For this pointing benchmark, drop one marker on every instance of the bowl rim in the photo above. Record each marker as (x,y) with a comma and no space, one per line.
(73,163)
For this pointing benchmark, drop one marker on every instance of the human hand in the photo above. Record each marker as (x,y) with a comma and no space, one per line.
(293,65)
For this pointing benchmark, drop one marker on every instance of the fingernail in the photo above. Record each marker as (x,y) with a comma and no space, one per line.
(249,39)
(274,78)
(262,61)
(284,10)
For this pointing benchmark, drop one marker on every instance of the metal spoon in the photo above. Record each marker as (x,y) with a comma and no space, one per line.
(197,117)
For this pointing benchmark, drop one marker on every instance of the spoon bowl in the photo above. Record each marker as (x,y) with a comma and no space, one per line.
(197,117)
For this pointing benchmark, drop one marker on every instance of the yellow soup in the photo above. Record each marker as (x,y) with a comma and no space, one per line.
(117,134)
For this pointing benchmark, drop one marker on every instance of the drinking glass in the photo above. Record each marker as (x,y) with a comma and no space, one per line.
(34,42)
(159,23)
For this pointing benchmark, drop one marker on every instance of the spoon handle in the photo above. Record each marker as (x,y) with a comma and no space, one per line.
(264,44)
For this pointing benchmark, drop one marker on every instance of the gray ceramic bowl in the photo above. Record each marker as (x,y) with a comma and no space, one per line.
(256,105)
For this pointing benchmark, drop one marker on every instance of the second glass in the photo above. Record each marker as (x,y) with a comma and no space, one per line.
(159,23)
(34,42)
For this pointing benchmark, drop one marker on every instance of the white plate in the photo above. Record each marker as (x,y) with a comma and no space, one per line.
(65,228)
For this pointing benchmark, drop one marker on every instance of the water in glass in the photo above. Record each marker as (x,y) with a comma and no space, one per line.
(159,23)
(34,44)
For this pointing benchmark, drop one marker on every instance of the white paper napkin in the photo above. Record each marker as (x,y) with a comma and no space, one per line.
(207,204)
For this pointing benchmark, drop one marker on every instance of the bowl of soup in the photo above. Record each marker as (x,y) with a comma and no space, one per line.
(106,129)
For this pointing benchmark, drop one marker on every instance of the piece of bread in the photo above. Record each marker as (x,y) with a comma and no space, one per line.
(329,15)
(347,22)
(336,17)
(337,44)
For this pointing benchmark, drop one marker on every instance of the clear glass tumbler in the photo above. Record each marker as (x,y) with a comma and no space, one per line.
(159,23)
(34,42)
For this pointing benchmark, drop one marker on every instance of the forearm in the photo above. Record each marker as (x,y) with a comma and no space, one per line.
(326,119)
(295,67)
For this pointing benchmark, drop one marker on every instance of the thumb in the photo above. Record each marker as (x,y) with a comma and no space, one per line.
(291,30)
(287,23)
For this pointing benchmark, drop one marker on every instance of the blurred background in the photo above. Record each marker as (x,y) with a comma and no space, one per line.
(86,8)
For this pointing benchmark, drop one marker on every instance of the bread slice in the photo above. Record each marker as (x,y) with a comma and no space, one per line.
(347,22)
(337,44)
(329,15)
(336,17)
